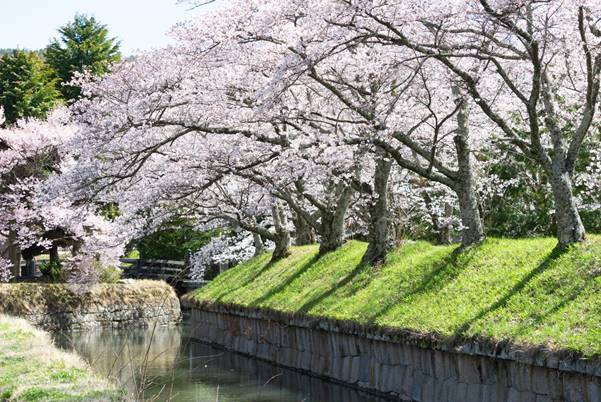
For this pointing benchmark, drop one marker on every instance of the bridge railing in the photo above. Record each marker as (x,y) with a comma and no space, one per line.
(173,272)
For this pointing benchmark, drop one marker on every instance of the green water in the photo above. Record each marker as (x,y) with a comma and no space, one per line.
(165,365)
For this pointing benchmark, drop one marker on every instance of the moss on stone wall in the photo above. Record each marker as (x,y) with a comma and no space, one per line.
(66,306)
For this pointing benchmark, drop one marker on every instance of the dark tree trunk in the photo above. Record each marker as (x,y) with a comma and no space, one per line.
(282,236)
(570,229)
(332,223)
(473,231)
(304,232)
(379,215)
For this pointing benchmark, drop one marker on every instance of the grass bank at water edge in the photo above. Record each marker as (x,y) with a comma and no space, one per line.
(33,369)
(522,291)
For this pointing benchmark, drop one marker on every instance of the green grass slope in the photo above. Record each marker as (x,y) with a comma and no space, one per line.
(33,369)
(517,290)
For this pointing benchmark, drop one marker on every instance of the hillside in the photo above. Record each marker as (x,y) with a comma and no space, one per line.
(517,290)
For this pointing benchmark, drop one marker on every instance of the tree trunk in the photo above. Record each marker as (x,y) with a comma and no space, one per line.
(570,229)
(379,233)
(304,232)
(282,236)
(258,243)
(472,231)
(332,224)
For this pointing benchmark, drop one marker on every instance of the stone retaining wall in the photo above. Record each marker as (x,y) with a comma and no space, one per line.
(69,307)
(404,368)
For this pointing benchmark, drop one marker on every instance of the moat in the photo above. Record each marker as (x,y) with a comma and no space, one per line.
(163,364)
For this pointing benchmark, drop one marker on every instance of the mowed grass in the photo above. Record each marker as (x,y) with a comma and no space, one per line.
(522,290)
(32,369)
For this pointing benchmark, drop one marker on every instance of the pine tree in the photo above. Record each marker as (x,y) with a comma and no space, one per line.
(84,45)
(27,86)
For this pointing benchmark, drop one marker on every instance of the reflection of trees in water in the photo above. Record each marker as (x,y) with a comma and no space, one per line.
(127,355)
(178,370)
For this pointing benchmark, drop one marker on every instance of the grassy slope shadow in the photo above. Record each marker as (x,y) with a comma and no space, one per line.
(347,279)
(441,274)
(462,329)
(277,289)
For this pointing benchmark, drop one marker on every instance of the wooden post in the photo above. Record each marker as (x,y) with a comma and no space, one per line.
(29,269)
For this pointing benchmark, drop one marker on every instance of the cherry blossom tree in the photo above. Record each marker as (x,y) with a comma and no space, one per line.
(531,67)
(34,213)
(403,104)
(149,111)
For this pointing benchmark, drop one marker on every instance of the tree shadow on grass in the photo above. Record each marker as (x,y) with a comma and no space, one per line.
(309,304)
(539,319)
(277,289)
(518,287)
(431,281)
(443,273)
(248,281)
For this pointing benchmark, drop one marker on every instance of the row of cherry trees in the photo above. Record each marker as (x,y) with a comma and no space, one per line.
(267,111)
(310,120)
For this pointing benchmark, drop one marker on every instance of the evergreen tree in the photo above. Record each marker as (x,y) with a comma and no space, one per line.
(27,86)
(84,45)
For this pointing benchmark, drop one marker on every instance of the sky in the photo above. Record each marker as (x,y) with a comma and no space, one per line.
(139,24)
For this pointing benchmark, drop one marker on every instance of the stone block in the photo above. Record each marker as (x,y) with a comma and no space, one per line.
(354,362)
(416,386)
(448,392)
(593,390)
(428,388)
(574,388)
(438,364)
(406,385)
(489,393)
(461,391)
(521,376)
(520,396)
(343,368)
(491,371)
(474,393)
(540,380)
(468,368)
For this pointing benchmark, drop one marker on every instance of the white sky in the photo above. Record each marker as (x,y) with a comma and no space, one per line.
(138,24)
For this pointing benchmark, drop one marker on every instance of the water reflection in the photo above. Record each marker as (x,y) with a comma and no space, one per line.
(162,364)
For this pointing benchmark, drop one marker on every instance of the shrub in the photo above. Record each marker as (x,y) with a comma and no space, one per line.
(52,270)
(110,274)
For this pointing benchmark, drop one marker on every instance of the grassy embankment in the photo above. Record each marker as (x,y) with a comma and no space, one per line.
(32,369)
(517,290)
